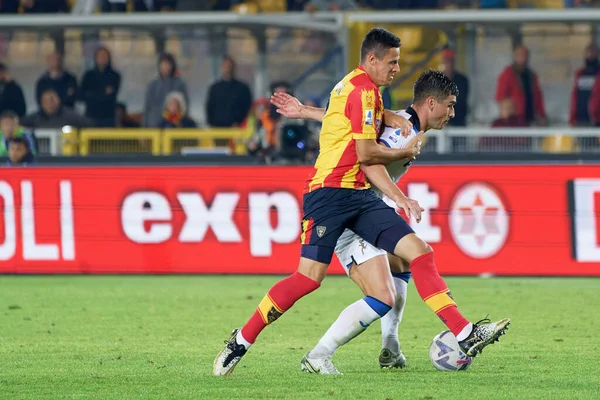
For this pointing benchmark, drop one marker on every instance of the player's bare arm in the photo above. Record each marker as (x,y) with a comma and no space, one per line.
(290,107)
(370,152)
(379,176)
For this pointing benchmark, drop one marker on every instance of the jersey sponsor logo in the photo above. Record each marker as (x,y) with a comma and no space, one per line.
(368,117)
(478,221)
(392,138)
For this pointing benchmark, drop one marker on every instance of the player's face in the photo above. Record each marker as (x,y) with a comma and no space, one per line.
(442,112)
(386,68)
(8,126)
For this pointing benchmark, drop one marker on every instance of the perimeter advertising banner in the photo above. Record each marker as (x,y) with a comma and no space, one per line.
(501,220)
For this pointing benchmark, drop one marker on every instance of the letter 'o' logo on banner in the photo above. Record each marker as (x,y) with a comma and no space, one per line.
(478,220)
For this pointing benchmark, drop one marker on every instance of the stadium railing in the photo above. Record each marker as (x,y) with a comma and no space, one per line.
(502,140)
(70,141)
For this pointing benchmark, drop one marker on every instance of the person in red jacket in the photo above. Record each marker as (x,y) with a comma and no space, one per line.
(519,83)
(585,108)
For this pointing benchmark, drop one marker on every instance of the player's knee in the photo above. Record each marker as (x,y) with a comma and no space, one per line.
(411,247)
(386,296)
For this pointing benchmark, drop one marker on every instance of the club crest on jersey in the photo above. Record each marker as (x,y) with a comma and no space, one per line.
(369,117)
(321,230)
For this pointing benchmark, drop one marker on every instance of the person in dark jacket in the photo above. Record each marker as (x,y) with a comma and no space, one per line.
(59,79)
(167,81)
(19,153)
(461,107)
(228,100)
(11,94)
(586,78)
(175,114)
(43,6)
(10,129)
(99,90)
(53,115)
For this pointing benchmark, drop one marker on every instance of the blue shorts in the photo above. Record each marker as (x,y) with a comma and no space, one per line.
(329,211)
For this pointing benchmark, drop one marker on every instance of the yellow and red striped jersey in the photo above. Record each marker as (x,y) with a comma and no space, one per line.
(354,112)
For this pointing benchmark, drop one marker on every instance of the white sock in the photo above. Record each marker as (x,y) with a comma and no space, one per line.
(466,331)
(391,320)
(352,322)
(240,340)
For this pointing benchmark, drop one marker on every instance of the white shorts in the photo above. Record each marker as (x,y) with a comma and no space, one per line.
(351,248)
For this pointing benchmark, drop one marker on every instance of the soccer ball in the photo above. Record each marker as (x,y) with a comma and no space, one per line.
(446,355)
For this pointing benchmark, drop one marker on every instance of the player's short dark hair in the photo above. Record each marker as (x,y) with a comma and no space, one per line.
(378,41)
(434,84)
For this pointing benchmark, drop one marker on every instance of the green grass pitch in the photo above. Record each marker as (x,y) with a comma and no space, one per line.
(155,337)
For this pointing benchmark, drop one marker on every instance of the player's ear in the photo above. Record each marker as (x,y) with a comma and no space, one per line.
(372,58)
(431,103)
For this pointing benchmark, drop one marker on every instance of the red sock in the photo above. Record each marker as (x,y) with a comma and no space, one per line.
(280,298)
(435,293)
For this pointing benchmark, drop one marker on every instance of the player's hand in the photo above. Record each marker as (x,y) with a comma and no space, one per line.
(414,146)
(410,207)
(396,121)
(287,105)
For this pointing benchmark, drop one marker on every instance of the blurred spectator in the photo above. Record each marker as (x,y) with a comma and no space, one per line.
(222,5)
(229,100)
(155,5)
(99,90)
(10,129)
(582,104)
(9,6)
(297,5)
(113,6)
(11,94)
(461,108)
(266,139)
(520,83)
(123,119)
(508,117)
(167,81)
(54,115)
(19,153)
(175,113)
(59,79)
(43,6)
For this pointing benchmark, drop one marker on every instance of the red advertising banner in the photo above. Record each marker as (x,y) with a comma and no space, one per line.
(501,220)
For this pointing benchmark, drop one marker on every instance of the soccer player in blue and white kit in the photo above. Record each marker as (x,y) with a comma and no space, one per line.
(433,106)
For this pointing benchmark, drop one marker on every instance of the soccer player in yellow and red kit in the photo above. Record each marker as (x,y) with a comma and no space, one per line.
(336,198)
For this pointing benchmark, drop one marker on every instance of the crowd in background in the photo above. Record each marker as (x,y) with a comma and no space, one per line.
(55,6)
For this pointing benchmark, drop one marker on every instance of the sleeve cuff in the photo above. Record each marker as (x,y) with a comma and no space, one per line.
(364,136)
(384,142)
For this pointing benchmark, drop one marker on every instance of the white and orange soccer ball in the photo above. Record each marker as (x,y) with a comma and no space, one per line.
(446,355)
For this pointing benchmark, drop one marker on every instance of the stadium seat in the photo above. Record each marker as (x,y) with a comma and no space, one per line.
(558,144)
